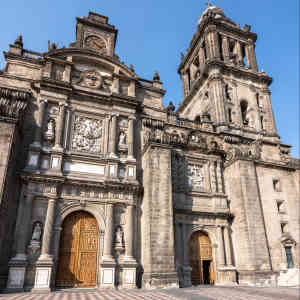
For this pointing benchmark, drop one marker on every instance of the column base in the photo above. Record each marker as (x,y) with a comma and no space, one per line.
(127,274)
(187,271)
(160,280)
(43,273)
(16,275)
(226,276)
(108,274)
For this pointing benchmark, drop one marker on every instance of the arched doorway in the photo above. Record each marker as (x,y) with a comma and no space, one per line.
(77,263)
(201,259)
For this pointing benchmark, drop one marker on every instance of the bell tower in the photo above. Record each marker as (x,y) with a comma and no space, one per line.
(221,81)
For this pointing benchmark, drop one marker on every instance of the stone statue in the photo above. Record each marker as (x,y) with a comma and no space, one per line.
(37,232)
(122,138)
(119,237)
(49,134)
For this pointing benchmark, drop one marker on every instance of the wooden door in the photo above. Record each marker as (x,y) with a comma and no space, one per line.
(200,250)
(77,265)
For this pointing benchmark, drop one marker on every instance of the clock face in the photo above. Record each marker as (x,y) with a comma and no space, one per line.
(96,43)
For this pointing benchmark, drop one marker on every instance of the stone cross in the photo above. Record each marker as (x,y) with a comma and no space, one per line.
(208,4)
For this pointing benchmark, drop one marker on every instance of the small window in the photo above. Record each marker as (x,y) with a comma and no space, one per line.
(284,227)
(262,122)
(276,185)
(198,120)
(244,108)
(229,115)
(289,257)
(257,99)
(280,206)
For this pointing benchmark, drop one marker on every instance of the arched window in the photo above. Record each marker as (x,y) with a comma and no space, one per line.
(229,115)
(244,108)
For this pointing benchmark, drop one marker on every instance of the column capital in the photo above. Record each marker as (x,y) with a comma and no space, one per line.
(43,100)
(131,117)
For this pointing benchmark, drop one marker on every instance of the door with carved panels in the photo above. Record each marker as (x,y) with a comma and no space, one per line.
(201,259)
(77,265)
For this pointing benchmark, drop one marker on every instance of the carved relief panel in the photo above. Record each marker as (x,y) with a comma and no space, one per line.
(87,134)
(195,175)
(91,77)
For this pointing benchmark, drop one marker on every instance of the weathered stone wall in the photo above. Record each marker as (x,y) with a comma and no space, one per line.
(157,220)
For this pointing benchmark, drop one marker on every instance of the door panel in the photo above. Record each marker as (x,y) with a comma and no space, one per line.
(77,265)
(200,250)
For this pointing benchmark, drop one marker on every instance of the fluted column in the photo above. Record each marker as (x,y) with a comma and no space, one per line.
(213,42)
(185,84)
(202,56)
(113,136)
(59,127)
(251,57)
(185,243)
(108,236)
(227,246)
(239,53)
(40,121)
(131,137)
(129,229)
(225,48)
(221,249)
(23,224)
(218,95)
(48,230)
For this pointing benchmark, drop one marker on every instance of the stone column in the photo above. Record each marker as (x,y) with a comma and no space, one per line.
(40,121)
(130,142)
(218,96)
(239,54)
(186,263)
(221,249)
(113,136)
(251,57)
(17,265)
(178,244)
(225,49)
(129,229)
(44,265)
(213,42)
(108,236)
(228,246)
(131,88)
(48,230)
(185,84)
(59,127)
(116,85)
(202,56)
(108,264)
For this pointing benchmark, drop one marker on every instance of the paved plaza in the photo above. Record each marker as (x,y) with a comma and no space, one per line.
(195,293)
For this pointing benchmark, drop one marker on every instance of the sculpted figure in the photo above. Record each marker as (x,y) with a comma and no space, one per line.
(37,232)
(49,134)
(122,138)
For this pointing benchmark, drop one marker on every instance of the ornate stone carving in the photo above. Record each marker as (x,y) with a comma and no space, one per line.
(37,232)
(87,134)
(96,43)
(195,175)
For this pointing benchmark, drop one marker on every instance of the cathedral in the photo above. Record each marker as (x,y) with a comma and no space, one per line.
(104,187)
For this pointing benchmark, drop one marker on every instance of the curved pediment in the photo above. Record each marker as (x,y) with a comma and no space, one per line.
(93,58)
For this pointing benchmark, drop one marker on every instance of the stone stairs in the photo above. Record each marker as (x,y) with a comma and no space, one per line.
(291,277)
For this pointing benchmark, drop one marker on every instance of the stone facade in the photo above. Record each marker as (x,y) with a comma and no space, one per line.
(80,131)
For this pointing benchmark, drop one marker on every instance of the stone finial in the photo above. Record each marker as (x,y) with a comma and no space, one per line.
(208,4)
(131,67)
(156,76)
(171,107)
(247,28)
(19,42)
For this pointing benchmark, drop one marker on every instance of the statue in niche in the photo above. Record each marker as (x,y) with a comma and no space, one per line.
(119,237)
(122,138)
(50,132)
(37,232)
(228,93)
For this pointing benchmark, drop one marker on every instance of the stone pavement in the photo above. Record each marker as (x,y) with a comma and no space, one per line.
(195,293)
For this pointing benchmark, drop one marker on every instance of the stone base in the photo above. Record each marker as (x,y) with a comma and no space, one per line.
(108,275)
(16,275)
(43,274)
(187,271)
(160,280)
(226,276)
(128,274)
(257,278)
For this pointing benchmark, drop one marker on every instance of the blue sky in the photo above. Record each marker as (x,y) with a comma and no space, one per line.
(153,33)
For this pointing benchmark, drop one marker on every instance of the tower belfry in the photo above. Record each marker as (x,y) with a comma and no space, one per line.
(220,77)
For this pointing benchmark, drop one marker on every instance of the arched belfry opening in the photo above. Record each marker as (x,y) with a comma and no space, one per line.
(78,252)
(201,259)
